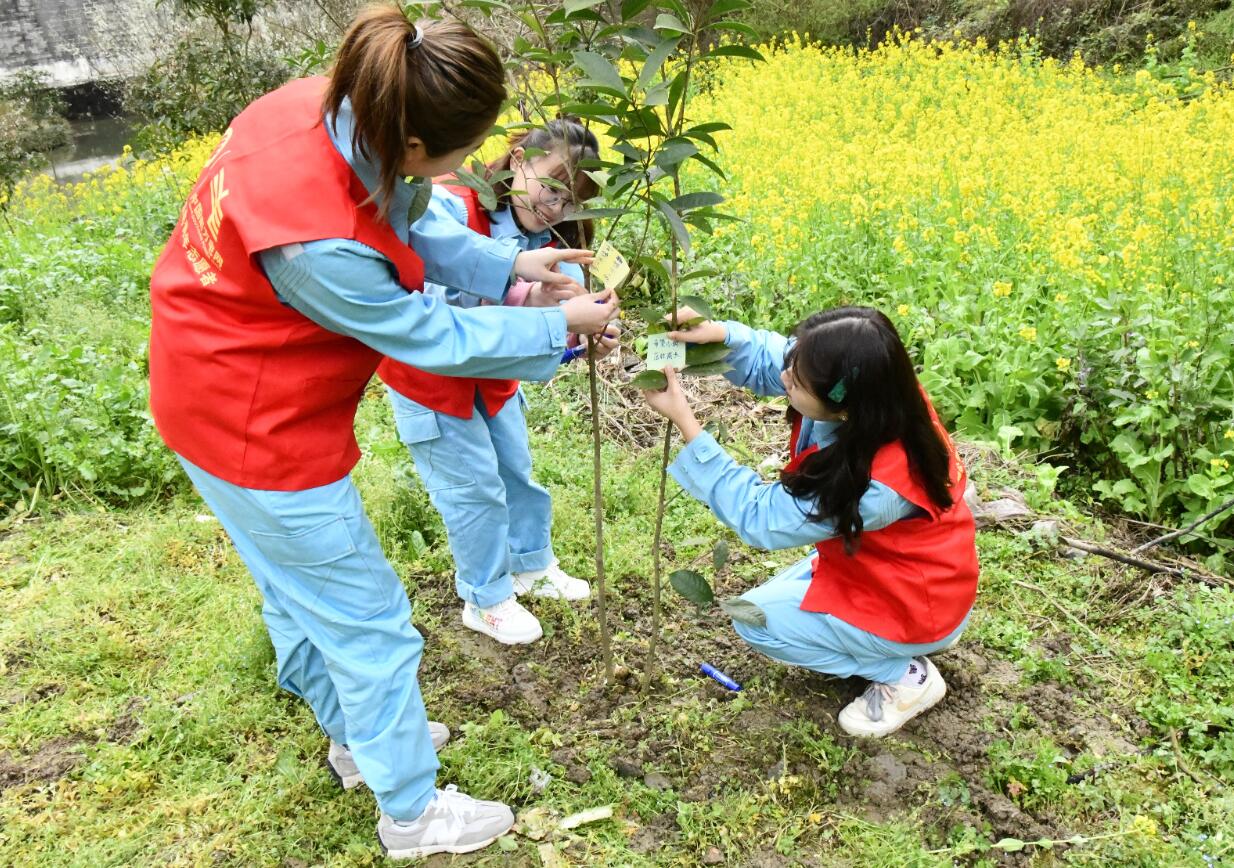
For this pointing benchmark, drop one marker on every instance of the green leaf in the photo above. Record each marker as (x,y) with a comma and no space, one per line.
(674,222)
(488,198)
(572,6)
(725,7)
(420,199)
(665,21)
(696,200)
(705,354)
(631,8)
(698,274)
(738,27)
(710,164)
(710,127)
(598,110)
(596,213)
(719,554)
(735,51)
(656,96)
(1009,845)
(600,72)
(655,266)
(653,380)
(710,369)
(744,612)
(651,314)
(674,152)
(701,307)
(692,586)
(676,91)
(655,61)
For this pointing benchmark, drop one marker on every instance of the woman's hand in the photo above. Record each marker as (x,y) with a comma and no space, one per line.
(541,265)
(550,296)
(706,332)
(671,403)
(590,313)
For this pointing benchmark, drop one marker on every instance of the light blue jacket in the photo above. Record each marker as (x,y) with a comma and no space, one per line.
(764,514)
(445,205)
(351,289)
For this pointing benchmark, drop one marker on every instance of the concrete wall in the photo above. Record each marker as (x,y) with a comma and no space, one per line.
(79,41)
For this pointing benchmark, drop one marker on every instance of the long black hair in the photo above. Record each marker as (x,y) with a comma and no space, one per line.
(576,143)
(852,359)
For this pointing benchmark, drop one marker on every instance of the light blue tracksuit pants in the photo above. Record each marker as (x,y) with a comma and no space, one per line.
(824,643)
(341,626)
(478,475)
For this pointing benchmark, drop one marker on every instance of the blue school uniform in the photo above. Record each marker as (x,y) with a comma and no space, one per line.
(477,470)
(337,613)
(766,516)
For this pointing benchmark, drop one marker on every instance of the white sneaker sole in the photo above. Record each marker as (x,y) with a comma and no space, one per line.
(421,852)
(474,622)
(932,697)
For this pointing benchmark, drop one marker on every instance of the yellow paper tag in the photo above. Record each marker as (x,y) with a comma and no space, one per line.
(610,266)
(663,351)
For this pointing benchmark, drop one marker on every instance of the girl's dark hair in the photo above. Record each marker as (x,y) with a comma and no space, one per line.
(446,90)
(575,143)
(852,359)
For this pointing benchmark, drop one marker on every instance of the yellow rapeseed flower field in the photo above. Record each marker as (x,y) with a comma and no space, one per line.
(1007,211)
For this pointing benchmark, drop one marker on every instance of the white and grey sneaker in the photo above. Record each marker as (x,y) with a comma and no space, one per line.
(507,622)
(452,823)
(342,764)
(884,708)
(552,582)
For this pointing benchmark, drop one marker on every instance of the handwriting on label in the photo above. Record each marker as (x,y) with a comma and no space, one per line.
(662,351)
(610,266)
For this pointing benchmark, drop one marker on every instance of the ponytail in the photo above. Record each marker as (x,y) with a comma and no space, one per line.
(438,82)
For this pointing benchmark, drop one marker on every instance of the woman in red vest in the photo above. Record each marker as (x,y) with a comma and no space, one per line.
(874,484)
(468,436)
(294,268)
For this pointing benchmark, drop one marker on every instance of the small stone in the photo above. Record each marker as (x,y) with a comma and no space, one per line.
(578,774)
(713,856)
(625,767)
(657,781)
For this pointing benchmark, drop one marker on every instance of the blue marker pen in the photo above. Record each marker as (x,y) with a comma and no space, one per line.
(573,353)
(715,674)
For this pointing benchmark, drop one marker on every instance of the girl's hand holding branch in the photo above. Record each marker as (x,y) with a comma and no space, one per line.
(705,332)
(671,403)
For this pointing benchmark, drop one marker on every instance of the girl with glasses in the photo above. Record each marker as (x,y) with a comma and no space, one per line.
(468,436)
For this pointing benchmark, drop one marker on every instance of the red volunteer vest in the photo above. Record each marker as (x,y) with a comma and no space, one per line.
(241,385)
(912,581)
(454,396)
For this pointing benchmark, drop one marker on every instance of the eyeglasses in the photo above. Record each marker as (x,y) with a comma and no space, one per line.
(551,198)
(548,196)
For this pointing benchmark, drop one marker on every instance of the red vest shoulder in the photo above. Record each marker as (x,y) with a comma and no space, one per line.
(243,386)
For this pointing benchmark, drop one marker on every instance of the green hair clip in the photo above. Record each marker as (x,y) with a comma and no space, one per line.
(840,390)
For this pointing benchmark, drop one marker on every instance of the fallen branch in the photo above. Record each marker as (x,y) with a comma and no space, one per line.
(1150,566)
(1186,530)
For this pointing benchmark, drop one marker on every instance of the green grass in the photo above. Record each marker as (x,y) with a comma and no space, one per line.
(140,722)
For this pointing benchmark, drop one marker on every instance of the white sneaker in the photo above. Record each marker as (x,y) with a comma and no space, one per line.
(507,622)
(884,708)
(552,582)
(452,823)
(342,764)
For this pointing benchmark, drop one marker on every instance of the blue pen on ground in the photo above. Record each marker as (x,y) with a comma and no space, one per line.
(718,676)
